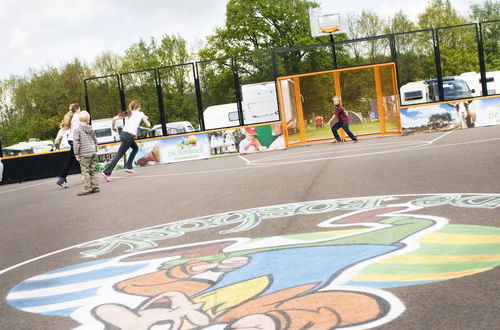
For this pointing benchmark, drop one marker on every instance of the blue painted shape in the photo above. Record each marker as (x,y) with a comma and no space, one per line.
(49,300)
(76,278)
(297,266)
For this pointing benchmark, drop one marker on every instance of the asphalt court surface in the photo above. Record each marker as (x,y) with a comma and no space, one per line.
(46,228)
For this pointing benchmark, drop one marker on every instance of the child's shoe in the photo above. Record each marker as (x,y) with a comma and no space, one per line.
(62,182)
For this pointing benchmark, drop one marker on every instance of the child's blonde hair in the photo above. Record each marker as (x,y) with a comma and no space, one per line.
(336,98)
(66,122)
(84,117)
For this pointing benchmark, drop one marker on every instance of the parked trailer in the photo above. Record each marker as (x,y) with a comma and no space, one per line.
(33,146)
(259,104)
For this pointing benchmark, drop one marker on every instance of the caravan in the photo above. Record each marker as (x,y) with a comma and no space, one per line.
(473,79)
(33,146)
(103,131)
(259,104)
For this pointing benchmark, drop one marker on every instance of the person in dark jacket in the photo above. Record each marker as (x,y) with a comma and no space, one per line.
(342,121)
(84,146)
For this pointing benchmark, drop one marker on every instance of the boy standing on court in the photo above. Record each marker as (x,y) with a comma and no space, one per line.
(343,121)
(84,146)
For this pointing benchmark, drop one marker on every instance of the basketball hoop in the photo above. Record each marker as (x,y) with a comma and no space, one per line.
(324,24)
(330,28)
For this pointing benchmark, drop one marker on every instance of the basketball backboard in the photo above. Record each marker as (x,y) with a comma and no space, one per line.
(324,24)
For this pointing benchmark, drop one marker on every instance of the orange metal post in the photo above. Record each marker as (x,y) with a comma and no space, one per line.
(338,92)
(380,99)
(300,112)
(282,112)
(396,95)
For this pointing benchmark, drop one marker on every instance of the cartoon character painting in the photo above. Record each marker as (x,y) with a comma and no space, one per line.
(295,281)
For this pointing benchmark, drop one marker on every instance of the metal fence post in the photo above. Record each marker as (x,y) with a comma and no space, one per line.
(437,61)
(197,87)
(237,90)
(159,94)
(122,92)
(482,65)
(87,105)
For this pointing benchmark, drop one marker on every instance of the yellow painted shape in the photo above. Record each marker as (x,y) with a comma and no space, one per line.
(233,295)
(430,259)
(415,277)
(444,238)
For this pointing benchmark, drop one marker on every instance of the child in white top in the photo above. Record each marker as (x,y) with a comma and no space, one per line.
(133,117)
(68,125)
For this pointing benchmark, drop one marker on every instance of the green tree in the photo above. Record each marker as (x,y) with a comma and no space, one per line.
(367,24)
(486,11)
(457,45)
(146,56)
(254,26)
(439,13)
(439,120)
(398,23)
(489,11)
(36,103)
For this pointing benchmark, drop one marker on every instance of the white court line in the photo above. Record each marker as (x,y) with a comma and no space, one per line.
(246,160)
(24,187)
(377,153)
(338,149)
(439,137)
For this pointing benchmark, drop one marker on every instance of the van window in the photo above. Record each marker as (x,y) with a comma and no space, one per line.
(233,116)
(415,95)
(102,132)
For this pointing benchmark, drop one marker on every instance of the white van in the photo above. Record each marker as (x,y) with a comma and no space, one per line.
(427,91)
(177,127)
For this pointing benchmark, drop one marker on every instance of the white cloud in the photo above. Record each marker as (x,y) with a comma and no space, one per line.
(19,40)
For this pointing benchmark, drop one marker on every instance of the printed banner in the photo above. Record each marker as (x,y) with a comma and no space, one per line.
(247,140)
(198,146)
(463,114)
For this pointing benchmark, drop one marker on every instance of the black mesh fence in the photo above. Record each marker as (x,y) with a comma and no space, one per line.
(415,56)
(141,85)
(491,44)
(178,95)
(305,59)
(219,102)
(364,52)
(103,96)
(432,65)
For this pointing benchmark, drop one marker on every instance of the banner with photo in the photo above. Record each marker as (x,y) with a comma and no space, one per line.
(445,116)
(198,146)
(246,140)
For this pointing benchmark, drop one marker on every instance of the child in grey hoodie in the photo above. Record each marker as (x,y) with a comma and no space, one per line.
(84,146)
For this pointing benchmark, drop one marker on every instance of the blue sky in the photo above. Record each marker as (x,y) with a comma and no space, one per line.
(37,33)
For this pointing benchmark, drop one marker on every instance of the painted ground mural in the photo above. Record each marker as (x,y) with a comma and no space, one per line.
(334,276)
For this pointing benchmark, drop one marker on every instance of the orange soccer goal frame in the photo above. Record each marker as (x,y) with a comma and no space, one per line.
(295,129)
